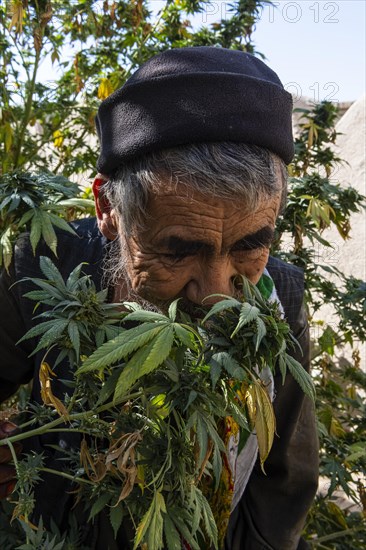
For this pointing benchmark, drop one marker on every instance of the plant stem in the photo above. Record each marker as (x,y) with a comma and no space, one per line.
(44,429)
(16,465)
(28,109)
(78,416)
(25,424)
(67,476)
(337,535)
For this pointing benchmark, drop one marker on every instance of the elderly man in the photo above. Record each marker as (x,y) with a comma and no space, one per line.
(192,177)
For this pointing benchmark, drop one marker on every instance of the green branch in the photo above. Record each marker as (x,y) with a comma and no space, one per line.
(27,110)
(67,476)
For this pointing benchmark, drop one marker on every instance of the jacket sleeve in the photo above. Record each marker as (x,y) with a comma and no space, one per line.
(15,366)
(272,511)
(17,313)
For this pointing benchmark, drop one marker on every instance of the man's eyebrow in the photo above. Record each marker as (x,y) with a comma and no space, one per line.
(262,237)
(178,244)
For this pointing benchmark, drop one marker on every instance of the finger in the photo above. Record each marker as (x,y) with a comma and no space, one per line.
(7,473)
(7,429)
(6,489)
(5,453)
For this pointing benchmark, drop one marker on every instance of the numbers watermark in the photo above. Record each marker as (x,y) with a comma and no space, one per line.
(290,12)
(315,92)
(320,254)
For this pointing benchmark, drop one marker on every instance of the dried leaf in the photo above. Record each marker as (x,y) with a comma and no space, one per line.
(123,452)
(17,16)
(262,417)
(48,398)
(105,88)
(95,469)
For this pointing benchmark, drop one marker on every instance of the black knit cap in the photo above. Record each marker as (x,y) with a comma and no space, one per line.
(195,95)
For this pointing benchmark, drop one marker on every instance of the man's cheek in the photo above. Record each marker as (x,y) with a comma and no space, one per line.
(152,278)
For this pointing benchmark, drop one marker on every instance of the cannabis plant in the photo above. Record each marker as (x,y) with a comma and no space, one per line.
(37,202)
(149,398)
(316,202)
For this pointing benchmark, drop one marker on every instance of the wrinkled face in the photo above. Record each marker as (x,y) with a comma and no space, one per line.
(196,246)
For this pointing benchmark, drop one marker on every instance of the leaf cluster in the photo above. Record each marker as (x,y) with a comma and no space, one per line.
(79,318)
(38,202)
(152,441)
(317,201)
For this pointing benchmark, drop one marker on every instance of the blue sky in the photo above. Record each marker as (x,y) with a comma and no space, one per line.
(316,47)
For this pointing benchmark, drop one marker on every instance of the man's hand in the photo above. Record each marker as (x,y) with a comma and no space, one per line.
(7,472)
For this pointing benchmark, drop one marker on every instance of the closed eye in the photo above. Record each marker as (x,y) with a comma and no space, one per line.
(179,249)
(261,239)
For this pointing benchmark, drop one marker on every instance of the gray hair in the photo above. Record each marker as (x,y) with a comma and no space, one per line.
(224,170)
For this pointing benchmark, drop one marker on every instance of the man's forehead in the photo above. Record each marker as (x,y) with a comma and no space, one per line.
(182,196)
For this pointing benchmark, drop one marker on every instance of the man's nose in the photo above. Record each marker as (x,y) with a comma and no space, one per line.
(213,277)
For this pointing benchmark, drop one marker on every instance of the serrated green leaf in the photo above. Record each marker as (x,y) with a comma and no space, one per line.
(221,306)
(208,518)
(48,232)
(50,271)
(145,361)
(74,336)
(15,201)
(27,216)
(247,288)
(215,372)
(184,527)
(282,367)
(247,314)
(185,336)
(74,277)
(202,438)
(37,330)
(195,505)
(35,230)
(226,361)
(112,331)
(120,347)
(172,537)
(75,202)
(132,306)
(108,387)
(99,337)
(4,203)
(301,376)
(61,223)
(261,332)
(6,248)
(145,525)
(146,316)
(28,200)
(116,518)
(99,504)
(172,312)
(192,396)
(39,296)
(52,336)
(49,288)
(155,530)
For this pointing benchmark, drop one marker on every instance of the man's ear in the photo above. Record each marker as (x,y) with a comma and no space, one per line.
(106,217)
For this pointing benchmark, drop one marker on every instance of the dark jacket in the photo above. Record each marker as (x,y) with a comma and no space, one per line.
(272,511)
